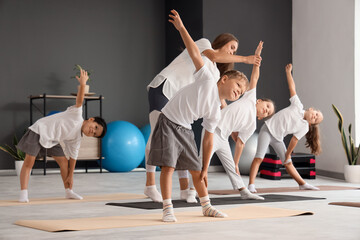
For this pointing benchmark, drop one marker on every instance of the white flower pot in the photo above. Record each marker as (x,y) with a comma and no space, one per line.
(18,166)
(352,173)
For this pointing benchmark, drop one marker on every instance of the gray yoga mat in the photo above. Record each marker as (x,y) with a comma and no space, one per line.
(215,201)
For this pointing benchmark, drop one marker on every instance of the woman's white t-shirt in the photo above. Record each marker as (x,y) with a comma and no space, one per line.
(199,99)
(61,127)
(239,116)
(180,72)
(289,120)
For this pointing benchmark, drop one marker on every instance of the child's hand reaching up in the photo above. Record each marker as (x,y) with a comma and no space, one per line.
(259,48)
(176,20)
(81,90)
(83,77)
(288,68)
(258,53)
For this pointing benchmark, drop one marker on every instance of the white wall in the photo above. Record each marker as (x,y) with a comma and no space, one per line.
(357,71)
(323,59)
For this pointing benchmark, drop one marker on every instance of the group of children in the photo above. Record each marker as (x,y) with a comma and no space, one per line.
(195,85)
(177,98)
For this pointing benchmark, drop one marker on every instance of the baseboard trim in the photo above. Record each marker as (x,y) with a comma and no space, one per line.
(330,174)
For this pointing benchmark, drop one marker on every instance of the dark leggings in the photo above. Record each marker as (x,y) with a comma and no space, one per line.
(157,99)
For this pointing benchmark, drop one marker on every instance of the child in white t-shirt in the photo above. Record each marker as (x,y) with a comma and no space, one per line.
(291,120)
(173,145)
(218,56)
(239,120)
(45,135)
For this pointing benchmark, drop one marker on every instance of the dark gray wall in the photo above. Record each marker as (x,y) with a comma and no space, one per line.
(124,42)
(251,21)
(41,40)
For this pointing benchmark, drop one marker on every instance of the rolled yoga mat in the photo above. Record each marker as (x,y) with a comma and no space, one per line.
(215,201)
(281,189)
(347,204)
(95,198)
(244,212)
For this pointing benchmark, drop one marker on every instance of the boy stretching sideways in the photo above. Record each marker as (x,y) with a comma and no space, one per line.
(45,135)
(173,145)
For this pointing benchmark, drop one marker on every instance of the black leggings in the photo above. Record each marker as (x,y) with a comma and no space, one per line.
(157,99)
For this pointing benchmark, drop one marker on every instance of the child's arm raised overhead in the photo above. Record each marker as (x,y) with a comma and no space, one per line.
(81,92)
(290,80)
(190,45)
(256,68)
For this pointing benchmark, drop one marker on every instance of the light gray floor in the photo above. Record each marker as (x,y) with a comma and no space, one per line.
(328,221)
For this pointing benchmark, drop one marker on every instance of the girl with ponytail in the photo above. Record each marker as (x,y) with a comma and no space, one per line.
(291,120)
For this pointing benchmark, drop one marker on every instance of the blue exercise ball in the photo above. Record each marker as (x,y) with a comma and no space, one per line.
(247,154)
(52,113)
(145,130)
(123,147)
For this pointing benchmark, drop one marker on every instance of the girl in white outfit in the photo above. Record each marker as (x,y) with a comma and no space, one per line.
(291,120)
(179,73)
(239,120)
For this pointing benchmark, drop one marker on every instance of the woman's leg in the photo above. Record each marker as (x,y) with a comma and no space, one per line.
(150,188)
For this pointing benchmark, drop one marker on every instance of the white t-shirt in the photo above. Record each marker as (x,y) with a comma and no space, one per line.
(289,120)
(61,127)
(239,116)
(180,72)
(197,100)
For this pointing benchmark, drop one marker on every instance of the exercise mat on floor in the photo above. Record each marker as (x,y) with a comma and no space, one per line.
(244,212)
(347,204)
(58,200)
(214,201)
(281,189)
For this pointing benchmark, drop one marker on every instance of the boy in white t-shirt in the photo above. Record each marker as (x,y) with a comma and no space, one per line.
(173,145)
(239,120)
(290,120)
(45,135)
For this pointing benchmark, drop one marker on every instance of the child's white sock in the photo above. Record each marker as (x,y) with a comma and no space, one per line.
(246,194)
(307,186)
(191,198)
(184,194)
(252,188)
(69,193)
(168,211)
(24,196)
(208,210)
(153,193)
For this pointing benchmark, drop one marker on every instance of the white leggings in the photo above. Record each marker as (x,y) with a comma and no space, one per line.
(153,118)
(264,140)
(222,149)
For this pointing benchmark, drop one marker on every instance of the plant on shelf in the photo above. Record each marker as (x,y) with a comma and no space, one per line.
(77,68)
(351,152)
(13,151)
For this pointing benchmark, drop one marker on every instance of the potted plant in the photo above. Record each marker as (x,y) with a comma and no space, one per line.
(18,155)
(351,171)
(77,68)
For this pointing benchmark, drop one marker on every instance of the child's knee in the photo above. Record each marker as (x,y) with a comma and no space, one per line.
(167,170)
(257,161)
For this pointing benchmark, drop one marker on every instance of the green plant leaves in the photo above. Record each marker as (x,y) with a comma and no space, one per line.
(351,153)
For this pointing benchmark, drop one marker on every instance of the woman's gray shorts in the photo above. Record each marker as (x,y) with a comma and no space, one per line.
(30,145)
(173,146)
